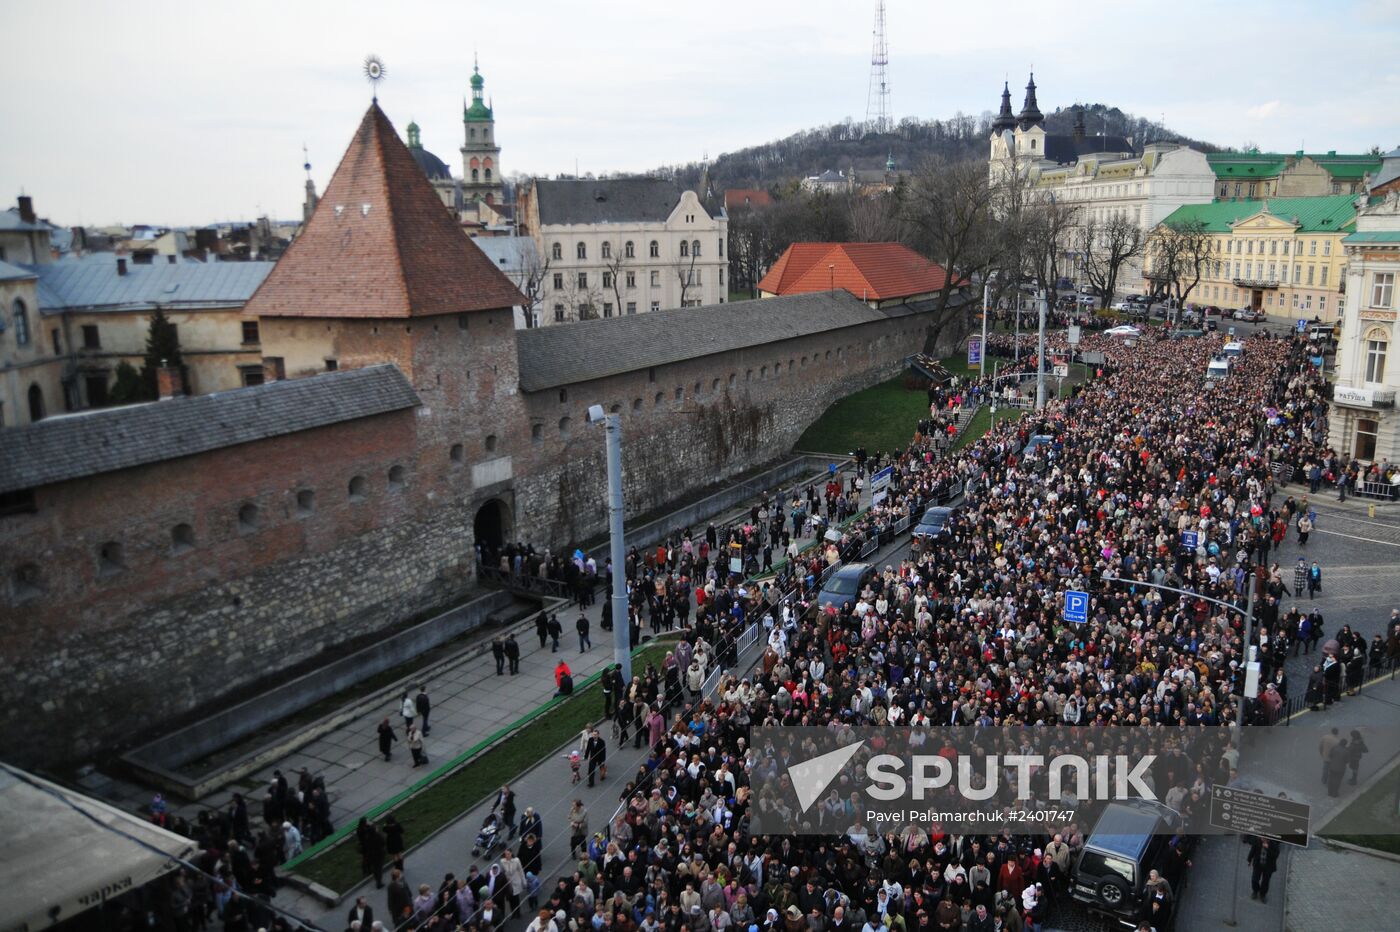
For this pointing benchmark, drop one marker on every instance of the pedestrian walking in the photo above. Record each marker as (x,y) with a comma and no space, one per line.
(400,900)
(512,649)
(578,827)
(1314,580)
(505,801)
(1305,527)
(583,640)
(542,627)
(424,706)
(498,651)
(1300,578)
(386,738)
(556,631)
(1356,749)
(371,850)
(1263,857)
(595,749)
(415,746)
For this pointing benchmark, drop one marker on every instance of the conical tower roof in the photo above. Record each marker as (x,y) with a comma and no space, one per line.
(1005,119)
(1030,114)
(380,244)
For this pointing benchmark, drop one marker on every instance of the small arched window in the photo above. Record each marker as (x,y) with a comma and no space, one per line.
(491,443)
(475,174)
(655,249)
(306,502)
(564,425)
(695,249)
(629,250)
(397,475)
(358,487)
(181,539)
(582,250)
(636,405)
(28,584)
(685,248)
(248,518)
(558,251)
(607,249)
(457,454)
(111,559)
(488,174)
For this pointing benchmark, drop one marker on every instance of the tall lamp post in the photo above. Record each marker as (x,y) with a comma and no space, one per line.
(622,624)
(1040,357)
(986,309)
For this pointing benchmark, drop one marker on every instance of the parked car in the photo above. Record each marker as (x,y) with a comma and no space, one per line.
(935,522)
(1212,311)
(1248,315)
(1124,306)
(1128,841)
(844,585)
(1212,325)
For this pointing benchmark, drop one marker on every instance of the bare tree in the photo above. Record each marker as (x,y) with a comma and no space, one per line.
(873,219)
(614,268)
(1106,245)
(948,212)
(581,298)
(685,271)
(531,274)
(1180,253)
(1046,231)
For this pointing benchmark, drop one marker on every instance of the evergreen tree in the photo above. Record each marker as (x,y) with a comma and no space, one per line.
(128,387)
(162,349)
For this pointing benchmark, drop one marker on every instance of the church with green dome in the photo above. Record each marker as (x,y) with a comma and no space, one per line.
(481,181)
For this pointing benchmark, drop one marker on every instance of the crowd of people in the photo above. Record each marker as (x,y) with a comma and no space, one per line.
(967,631)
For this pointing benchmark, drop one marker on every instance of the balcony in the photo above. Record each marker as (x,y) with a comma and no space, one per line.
(1258,282)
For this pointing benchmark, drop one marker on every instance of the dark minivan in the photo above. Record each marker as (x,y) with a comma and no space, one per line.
(1128,841)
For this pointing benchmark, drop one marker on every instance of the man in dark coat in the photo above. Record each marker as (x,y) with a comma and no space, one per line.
(556,631)
(424,707)
(596,751)
(498,651)
(400,899)
(1263,856)
(361,913)
(512,649)
(542,627)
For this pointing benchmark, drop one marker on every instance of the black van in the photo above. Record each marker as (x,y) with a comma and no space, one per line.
(1128,841)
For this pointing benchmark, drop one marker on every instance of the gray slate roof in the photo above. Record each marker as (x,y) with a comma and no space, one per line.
(10,273)
(593,349)
(10,221)
(614,200)
(108,439)
(91,282)
(510,254)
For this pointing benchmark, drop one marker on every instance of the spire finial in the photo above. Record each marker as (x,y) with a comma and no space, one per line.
(374,73)
(306,161)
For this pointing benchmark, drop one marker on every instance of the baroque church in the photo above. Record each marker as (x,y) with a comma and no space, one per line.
(478,196)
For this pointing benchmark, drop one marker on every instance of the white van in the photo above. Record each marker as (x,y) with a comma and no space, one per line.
(1233,349)
(1219,368)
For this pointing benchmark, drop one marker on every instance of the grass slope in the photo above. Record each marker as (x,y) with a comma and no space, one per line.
(880,418)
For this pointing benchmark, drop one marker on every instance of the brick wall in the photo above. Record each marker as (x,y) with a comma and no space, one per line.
(101,654)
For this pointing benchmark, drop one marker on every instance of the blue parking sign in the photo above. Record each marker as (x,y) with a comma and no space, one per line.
(1076,607)
(1302,326)
(1190,540)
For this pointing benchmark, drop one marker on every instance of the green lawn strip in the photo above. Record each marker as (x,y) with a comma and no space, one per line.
(1375,808)
(427,806)
(880,418)
(957,365)
(982,422)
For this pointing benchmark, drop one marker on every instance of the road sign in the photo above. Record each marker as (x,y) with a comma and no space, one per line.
(1190,540)
(1061,372)
(974,351)
(1093,358)
(1076,607)
(1302,326)
(1074,335)
(1249,813)
(881,479)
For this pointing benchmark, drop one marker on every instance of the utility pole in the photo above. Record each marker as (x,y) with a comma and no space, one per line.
(878,118)
(1040,357)
(622,623)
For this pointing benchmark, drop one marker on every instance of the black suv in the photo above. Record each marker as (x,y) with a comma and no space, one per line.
(1128,841)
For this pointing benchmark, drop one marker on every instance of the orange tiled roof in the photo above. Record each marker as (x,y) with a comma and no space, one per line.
(870,271)
(746,197)
(381,244)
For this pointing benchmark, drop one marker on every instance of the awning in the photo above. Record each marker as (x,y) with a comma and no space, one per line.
(57,862)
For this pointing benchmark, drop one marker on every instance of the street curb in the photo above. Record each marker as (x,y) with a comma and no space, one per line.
(1360,850)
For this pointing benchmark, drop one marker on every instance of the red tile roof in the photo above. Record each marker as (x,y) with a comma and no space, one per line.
(381,244)
(746,197)
(870,271)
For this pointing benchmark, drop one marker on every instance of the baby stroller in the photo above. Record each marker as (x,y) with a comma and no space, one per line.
(489,838)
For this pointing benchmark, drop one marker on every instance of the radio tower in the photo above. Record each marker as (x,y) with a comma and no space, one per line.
(877,106)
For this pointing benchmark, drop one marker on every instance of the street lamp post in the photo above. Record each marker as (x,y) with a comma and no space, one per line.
(622,623)
(986,309)
(1040,357)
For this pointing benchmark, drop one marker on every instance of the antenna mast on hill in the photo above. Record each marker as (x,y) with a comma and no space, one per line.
(877,107)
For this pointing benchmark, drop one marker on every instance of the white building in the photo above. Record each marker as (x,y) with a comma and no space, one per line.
(1106,176)
(1364,422)
(622,246)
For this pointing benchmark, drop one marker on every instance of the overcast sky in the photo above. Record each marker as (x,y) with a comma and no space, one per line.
(186,113)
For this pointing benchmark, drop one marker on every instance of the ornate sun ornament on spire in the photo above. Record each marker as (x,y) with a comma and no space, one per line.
(374,73)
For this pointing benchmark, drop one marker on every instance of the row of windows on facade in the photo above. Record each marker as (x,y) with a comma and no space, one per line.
(1246,246)
(629,250)
(1273,272)
(685,276)
(1241,295)
(1252,190)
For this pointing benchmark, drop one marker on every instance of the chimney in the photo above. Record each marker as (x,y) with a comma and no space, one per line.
(121,265)
(170,381)
(171,257)
(26,208)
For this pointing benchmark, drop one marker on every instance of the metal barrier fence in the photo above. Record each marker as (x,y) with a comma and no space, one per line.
(1379,489)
